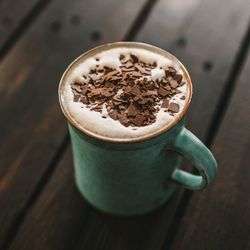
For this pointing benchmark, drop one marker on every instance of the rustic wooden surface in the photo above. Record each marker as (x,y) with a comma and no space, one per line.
(219,217)
(15,17)
(40,207)
(29,75)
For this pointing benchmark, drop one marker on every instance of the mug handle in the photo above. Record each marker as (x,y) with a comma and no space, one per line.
(188,145)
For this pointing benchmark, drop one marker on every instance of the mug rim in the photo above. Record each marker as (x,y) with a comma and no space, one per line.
(137,139)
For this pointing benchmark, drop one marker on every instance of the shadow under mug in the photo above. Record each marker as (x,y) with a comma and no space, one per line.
(136,175)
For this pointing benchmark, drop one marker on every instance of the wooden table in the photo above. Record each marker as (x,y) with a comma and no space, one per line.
(40,207)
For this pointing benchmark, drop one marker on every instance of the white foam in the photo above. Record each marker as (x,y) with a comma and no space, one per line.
(93,121)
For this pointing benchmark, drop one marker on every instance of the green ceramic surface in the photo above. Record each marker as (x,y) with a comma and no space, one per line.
(135,178)
(137,175)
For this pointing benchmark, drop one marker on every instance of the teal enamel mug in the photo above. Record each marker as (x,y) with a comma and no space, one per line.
(131,176)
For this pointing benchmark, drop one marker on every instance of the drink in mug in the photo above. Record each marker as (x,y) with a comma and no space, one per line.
(125,104)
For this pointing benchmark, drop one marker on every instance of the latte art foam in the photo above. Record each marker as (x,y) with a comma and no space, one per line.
(100,122)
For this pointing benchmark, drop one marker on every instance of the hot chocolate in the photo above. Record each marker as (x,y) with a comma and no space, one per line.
(124,92)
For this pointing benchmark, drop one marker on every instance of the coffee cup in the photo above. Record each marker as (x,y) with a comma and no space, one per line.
(125,172)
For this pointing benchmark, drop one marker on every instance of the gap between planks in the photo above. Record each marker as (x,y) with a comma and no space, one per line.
(24,25)
(217,120)
(231,81)
(140,20)
(42,182)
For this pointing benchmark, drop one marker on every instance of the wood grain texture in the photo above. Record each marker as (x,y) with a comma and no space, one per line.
(62,204)
(107,232)
(219,217)
(207,44)
(208,85)
(32,125)
(208,47)
(12,13)
(149,232)
(61,219)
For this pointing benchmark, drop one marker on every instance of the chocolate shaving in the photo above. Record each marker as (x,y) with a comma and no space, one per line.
(173,83)
(138,120)
(131,69)
(178,78)
(123,119)
(84,90)
(136,74)
(97,91)
(163,92)
(121,57)
(107,92)
(76,97)
(168,88)
(127,89)
(171,69)
(127,93)
(143,70)
(135,90)
(133,109)
(150,93)
(134,58)
(174,107)
(76,87)
(113,114)
(84,100)
(94,77)
(165,103)
(128,64)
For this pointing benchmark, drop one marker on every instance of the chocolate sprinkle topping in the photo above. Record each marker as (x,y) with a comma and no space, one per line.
(165,103)
(174,107)
(127,93)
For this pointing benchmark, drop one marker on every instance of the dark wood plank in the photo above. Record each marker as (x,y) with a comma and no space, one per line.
(128,233)
(203,41)
(32,125)
(69,209)
(200,46)
(208,85)
(12,13)
(193,27)
(219,218)
(59,215)
(152,231)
